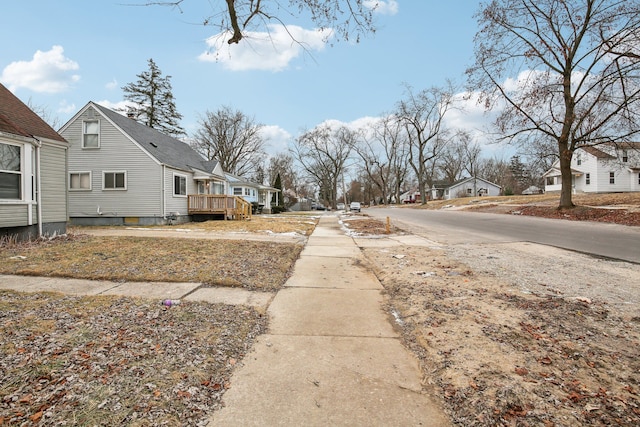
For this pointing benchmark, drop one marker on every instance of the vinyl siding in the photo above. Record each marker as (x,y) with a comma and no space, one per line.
(143,196)
(589,165)
(53,181)
(178,203)
(13,215)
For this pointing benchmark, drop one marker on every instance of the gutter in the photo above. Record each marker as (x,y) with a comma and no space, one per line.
(38,186)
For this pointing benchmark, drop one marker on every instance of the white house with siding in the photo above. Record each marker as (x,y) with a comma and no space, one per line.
(606,168)
(33,158)
(466,187)
(253,192)
(123,172)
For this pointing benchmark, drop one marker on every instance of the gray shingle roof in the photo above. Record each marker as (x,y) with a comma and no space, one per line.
(166,149)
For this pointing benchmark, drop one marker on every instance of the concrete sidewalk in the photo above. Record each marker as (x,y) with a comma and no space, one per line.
(332,356)
(152,290)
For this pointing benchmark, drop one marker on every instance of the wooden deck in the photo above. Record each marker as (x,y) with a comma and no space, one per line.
(232,207)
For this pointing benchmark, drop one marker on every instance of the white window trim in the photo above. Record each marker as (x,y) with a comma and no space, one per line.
(90,180)
(22,174)
(186,189)
(114,189)
(83,134)
(237,191)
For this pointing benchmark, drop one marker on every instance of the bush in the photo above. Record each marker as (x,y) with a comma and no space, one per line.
(278,209)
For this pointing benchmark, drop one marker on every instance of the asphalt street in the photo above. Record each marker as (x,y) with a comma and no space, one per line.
(459,227)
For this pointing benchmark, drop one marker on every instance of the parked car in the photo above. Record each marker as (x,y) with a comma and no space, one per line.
(354,206)
(340,206)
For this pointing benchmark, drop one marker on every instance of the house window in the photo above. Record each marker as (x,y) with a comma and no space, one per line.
(91,134)
(247,191)
(550,180)
(10,172)
(469,191)
(625,156)
(179,185)
(588,179)
(612,177)
(237,191)
(579,160)
(80,181)
(114,181)
(639,178)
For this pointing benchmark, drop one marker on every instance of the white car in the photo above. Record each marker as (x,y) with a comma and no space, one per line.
(340,206)
(354,206)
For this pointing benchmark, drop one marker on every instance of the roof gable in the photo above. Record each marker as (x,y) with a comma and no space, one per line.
(464,180)
(165,149)
(597,153)
(18,119)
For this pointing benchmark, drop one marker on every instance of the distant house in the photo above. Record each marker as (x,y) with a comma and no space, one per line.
(606,168)
(123,172)
(532,190)
(411,196)
(252,191)
(466,187)
(33,200)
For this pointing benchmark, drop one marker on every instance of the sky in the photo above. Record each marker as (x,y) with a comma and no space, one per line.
(59,55)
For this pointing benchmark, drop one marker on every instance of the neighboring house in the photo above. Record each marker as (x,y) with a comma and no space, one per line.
(411,196)
(606,168)
(33,197)
(252,192)
(532,190)
(466,187)
(123,172)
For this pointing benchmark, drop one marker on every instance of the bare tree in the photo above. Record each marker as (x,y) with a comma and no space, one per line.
(282,165)
(422,115)
(322,152)
(154,102)
(451,162)
(348,19)
(384,157)
(495,170)
(45,114)
(565,69)
(232,138)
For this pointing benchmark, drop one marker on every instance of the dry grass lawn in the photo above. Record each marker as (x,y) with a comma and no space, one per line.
(255,265)
(551,199)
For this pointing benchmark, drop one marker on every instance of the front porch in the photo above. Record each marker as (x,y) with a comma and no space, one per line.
(231,207)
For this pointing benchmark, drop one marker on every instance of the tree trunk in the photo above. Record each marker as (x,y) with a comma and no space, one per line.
(422,185)
(566,176)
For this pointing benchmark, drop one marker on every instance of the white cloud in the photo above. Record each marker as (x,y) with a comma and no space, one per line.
(277,139)
(49,72)
(115,106)
(65,108)
(470,115)
(389,7)
(363,124)
(113,84)
(272,50)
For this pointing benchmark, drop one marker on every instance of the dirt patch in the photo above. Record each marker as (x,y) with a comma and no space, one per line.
(616,208)
(518,334)
(107,361)
(360,224)
(623,216)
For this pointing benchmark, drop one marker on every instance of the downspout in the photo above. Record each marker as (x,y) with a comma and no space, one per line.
(38,186)
(164,193)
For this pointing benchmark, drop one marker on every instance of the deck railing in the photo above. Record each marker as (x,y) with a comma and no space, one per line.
(232,207)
